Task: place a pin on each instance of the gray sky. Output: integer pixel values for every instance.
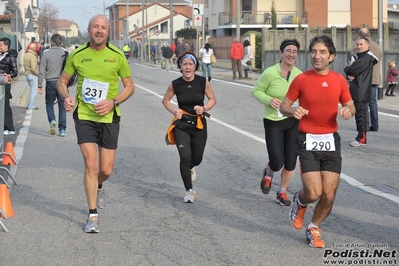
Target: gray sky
(80, 11)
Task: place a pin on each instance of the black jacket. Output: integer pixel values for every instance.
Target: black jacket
(167, 52)
(8, 63)
(362, 69)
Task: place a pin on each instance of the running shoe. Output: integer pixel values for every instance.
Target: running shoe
(92, 224)
(282, 198)
(266, 181)
(189, 198)
(53, 125)
(297, 213)
(356, 143)
(62, 133)
(313, 238)
(8, 132)
(101, 197)
(193, 175)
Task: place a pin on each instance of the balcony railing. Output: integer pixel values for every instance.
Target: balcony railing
(262, 17)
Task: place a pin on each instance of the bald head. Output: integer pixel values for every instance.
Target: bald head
(364, 32)
(32, 47)
(98, 31)
(96, 17)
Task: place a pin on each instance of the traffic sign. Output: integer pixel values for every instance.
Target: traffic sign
(138, 37)
(198, 20)
(157, 32)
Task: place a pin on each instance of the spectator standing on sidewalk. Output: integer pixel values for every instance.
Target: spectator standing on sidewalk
(179, 48)
(99, 65)
(206, 53)
(280, 131)
(359, 74)
(236, 55)
(319, 91)
(392, 78)
(8, 65)
(31, 72)
(50, 70)
(167, 53)
(372, 116)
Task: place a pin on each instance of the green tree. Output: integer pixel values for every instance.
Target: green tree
(274, 15)
(188, 33)
(11, 7)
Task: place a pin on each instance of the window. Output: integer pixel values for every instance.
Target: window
(246, 5)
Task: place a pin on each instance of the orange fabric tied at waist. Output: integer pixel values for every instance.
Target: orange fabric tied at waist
(170, 138)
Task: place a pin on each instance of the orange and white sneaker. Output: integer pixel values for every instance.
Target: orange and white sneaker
(313, 238)
(266, 181)
(297, 213)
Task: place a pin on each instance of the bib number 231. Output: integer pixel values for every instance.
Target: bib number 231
(94, 91)
(320, 142)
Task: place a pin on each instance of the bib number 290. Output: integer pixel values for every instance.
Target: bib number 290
(320, 142)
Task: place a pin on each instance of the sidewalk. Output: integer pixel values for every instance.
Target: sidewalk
(20, 91)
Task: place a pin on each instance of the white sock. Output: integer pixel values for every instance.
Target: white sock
(299, 202)
(312, 225)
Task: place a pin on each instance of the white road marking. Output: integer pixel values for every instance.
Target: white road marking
(347, 178)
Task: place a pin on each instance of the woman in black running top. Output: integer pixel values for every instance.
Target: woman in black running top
(189, 128)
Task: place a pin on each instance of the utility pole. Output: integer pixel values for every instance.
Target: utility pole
(238, 20)
(127, 23)
(142, 33)
(171, 23)
(381, 44)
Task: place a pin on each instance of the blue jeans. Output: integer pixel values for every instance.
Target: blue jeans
(51, 96)
(32, 81)
(373, 107)
(207, 67)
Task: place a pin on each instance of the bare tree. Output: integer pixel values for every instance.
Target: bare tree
(47, 16)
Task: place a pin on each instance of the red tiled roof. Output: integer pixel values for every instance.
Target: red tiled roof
(63, 23)
(5, 17)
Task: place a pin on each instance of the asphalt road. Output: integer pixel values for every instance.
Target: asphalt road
(231, 222)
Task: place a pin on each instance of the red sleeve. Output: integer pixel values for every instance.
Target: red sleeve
(294, 90)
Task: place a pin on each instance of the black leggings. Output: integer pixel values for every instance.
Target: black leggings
(280, 139)
(8, 118)
(190, 143)
(390, 89)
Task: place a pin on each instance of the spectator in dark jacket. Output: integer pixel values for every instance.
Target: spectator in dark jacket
(8, 65)
(179, 49)
(360, 74)
(236, 54)
(167, 53)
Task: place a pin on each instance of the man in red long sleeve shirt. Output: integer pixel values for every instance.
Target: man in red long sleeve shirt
(236, 54)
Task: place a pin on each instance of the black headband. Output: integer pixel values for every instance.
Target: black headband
(288, 43)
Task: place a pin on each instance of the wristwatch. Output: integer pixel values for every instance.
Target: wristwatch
(116, 103)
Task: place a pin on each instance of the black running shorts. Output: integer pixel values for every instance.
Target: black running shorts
(316, 161)
(105, 135)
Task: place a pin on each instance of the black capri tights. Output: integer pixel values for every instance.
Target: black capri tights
(280, 139)
(190, 143)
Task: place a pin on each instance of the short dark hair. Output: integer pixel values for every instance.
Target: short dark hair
(246, 43)
(6, 41)
(56, 39)
(327, 41)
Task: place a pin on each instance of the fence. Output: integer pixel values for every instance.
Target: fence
(343, 38)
